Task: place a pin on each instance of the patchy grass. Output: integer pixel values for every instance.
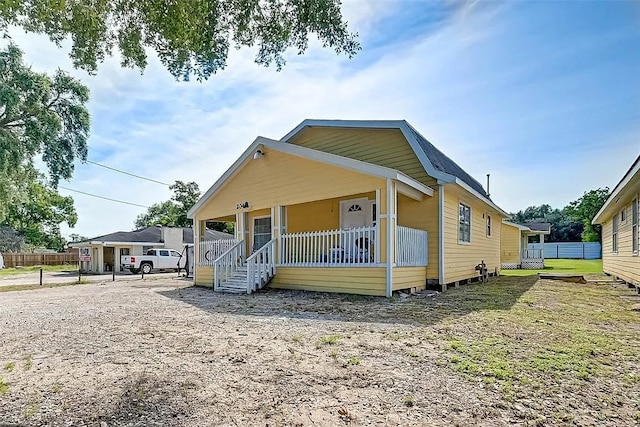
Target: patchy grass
(4, 387)
(10, 366)
(13, 288)
(574, 266)
(329, 339)
(36, 269)
(554, 338)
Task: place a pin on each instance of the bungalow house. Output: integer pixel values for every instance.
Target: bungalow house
(514, 245)
(105, 251)
(363, 207)
(620, 229)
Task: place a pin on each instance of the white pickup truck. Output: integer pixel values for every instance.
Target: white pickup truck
(155, 259)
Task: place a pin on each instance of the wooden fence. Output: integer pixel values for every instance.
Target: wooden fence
(30, 259)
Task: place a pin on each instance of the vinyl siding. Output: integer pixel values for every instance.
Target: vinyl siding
(422, 215)
(204, 275)
(319, 215)
(460, 259)
(509, 244)
(281, 179)
(623, 264)
(360, 280)
(385, 147)
(409, 277)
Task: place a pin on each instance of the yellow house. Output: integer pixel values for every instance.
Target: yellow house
(620, 233)
(365, 207)
(514, 240)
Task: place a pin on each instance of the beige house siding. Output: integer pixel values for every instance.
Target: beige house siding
(460, 259)
(624, 264)
(385, 147)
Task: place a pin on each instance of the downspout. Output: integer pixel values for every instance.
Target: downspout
(441, 234)
(389, 236)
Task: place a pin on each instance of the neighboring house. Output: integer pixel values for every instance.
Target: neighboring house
(105, 251)
(514, 250)
(620, 229)
(364, 207)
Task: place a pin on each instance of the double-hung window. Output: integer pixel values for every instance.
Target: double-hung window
(488, 225)
(464, 230)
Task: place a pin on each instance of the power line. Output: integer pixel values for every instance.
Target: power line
(102, 197)
(127, 173)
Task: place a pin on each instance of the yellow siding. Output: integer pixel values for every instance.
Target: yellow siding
(319, 215)
(385, 147)
(409, 277)
(510, 244)
(204, 275)
(361, 280)
(460, 259)
(624, 264)
(283, 179)
(422, 215)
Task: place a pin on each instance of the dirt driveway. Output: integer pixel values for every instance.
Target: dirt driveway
(58, 277)
(160, 353)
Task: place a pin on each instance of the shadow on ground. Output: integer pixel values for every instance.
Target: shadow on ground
(500, 293)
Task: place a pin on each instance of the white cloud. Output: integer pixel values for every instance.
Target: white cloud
(444, 82)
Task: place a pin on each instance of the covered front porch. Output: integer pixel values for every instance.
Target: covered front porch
(351, 243)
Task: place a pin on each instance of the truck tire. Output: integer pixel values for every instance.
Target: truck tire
(134, 270)
(146, 268)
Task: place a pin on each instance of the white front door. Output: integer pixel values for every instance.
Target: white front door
(355, 213)
(261, 232)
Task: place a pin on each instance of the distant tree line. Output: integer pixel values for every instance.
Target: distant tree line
(571, 223)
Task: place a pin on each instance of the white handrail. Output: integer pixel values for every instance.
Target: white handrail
(411, 247)
(227, 264)
(532, 254)
(329, 248)
(210, 250)
(261, 266)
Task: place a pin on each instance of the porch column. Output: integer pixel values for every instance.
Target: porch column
(388, 222)
(277, 219)
(542, 246)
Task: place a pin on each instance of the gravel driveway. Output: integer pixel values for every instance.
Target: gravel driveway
(163, 353)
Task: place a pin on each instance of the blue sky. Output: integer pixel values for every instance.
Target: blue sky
(543, 95)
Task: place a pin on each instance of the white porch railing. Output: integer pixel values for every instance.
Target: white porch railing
(261, 266)
(411, 247)
(532, 254)
(330, 248)
(227, 264)
(211, 250)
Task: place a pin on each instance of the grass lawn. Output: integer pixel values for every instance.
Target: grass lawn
(36, 268)
(577, 266)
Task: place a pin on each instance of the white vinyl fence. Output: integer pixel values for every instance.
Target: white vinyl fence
(411, 247)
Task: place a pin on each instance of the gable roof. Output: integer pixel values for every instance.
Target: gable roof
(607, 209)
(434, 161)
(150, 236)
(308, 153)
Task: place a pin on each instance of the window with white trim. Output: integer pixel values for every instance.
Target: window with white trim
(488, 225)
(261, 232)
(634, 225)
(614, 234)
(623, 215)
(464, 230)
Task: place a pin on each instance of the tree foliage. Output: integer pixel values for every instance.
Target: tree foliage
(172, 212)
(573, 222)
(190, 37)
(38, 216)
(585, 209)
(10, 240)
(40, 115)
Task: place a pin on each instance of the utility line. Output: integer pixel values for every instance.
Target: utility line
(102, 197)
(127, 173)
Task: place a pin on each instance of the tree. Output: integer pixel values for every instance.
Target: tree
(40, 115)
(190, 37)
(10, 240)
(172, 212)
(74, 238)
(39, 216)
(563, 227)
(585, 209)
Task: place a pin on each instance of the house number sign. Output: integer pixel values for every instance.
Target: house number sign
(242, 205)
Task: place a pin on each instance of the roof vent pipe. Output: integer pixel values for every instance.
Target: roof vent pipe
(488, 194)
